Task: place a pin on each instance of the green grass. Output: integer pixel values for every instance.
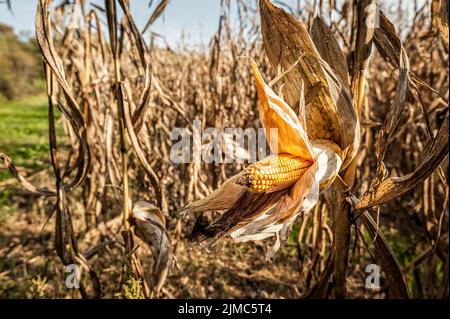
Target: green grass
(24, 133)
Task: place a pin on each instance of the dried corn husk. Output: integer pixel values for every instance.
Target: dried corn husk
(330, 114)
(150, 226)
(255, 214)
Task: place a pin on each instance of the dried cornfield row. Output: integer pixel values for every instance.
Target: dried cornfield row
(114, 193)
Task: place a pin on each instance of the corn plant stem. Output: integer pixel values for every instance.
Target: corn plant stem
(123, 148)
(361, 92)
(366, 8)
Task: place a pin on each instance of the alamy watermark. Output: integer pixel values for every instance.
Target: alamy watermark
(213, 145)
(373, 277)
(73, 277)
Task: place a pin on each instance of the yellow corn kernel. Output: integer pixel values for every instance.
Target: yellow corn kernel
(274, 173)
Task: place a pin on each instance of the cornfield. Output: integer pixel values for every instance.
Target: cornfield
(138, 225)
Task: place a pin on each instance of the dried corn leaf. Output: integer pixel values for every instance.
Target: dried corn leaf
(386, 258)
(150, 226)
(158, 11)
(329, 49)
(22, 180)
(341, 96)
(141, 111)
(394, 187)
(390, 47)
(154, 179)
(392, 119)
(64, 242)
(387, 41)
(222, 198)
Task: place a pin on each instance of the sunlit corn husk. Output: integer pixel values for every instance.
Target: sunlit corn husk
(264, 199)
(330, 114)
(275, 113)
(310, 148)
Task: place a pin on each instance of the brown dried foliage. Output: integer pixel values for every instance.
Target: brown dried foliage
(120, 98)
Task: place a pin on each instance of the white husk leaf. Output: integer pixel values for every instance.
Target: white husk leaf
(306, 191)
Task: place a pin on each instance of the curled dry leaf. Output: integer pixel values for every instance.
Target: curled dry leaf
(158, 11)
(141, 111)
(391, 123)
(389, 45)
(391, 49)
(150, 226)
(136, 145)
(394, 187)
(22, 180)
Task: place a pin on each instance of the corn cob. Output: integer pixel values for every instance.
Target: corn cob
(270, 173)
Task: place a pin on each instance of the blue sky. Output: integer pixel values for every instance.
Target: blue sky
(196, 19)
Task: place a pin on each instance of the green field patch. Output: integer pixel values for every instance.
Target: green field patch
(24, 133)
